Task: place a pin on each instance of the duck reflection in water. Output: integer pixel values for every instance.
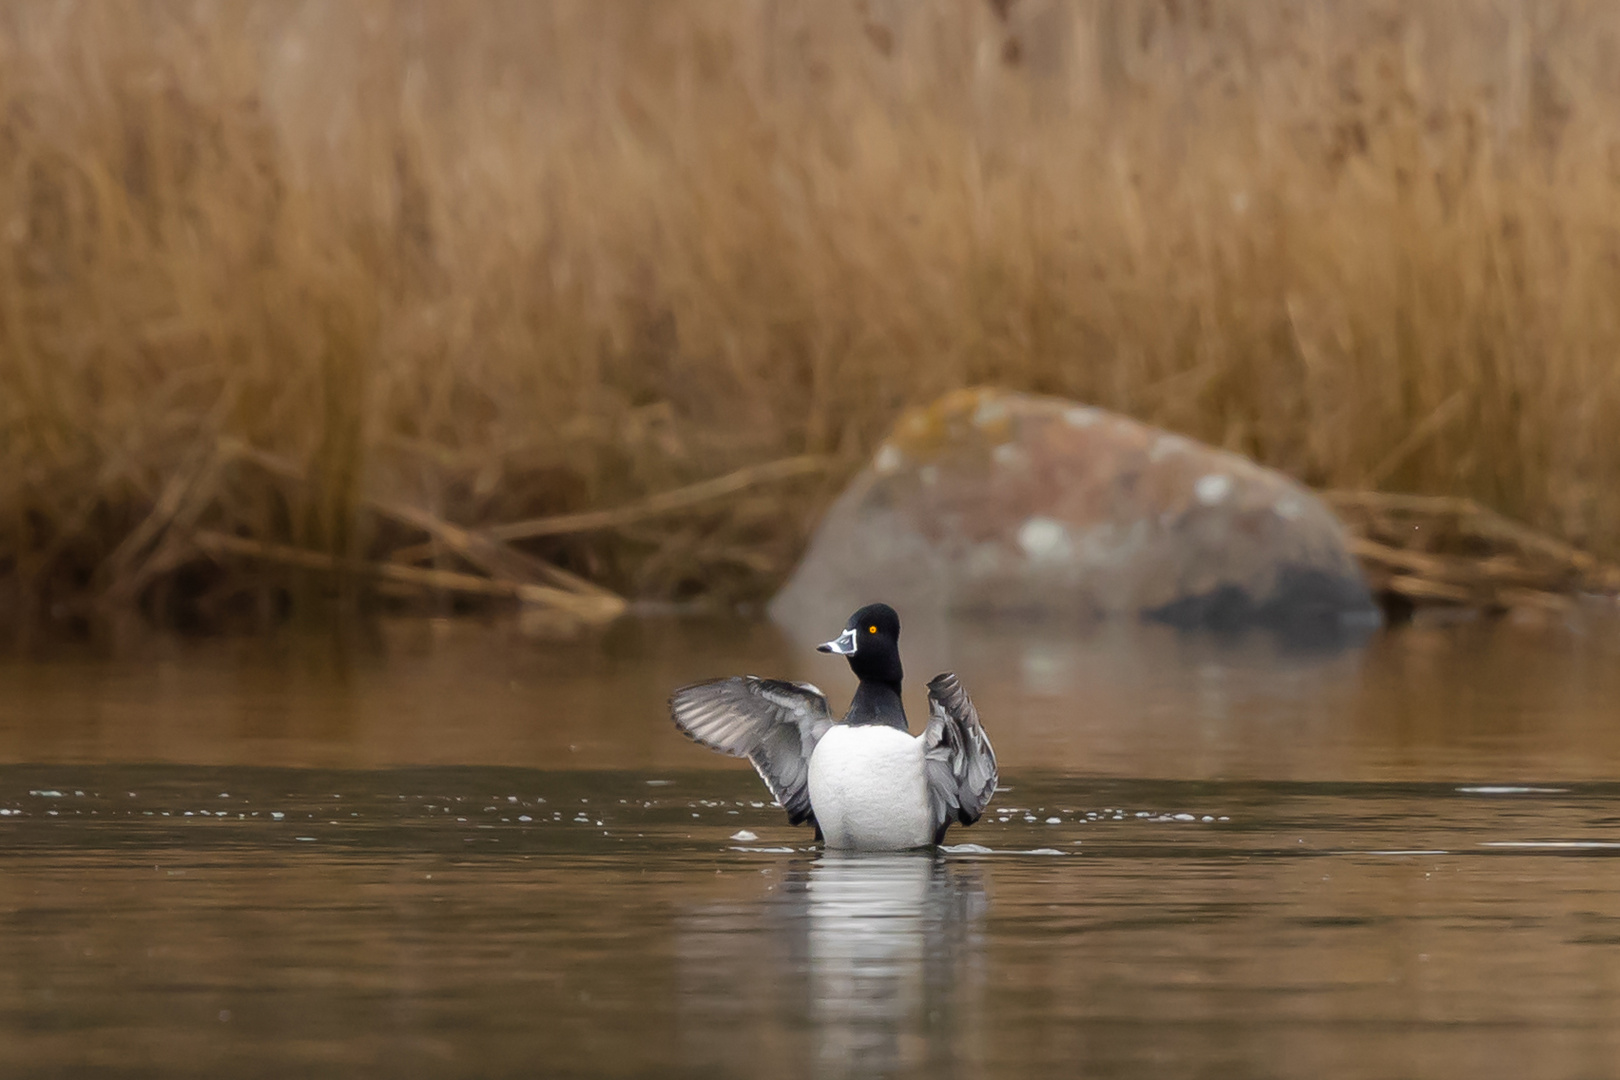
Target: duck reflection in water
(856, 963)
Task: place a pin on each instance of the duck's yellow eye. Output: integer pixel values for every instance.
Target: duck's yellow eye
(871, 629)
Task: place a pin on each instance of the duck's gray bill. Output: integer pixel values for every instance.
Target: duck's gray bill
(843, 644)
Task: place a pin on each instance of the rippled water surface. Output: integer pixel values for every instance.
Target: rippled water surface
(446, 850)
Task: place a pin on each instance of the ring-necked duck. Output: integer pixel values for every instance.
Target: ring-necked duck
(863, 782)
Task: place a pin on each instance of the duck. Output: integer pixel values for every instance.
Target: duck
(863, 782)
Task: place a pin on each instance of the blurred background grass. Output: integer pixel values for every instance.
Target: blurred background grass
(509, 259)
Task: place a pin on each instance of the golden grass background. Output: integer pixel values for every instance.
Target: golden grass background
(505, 259)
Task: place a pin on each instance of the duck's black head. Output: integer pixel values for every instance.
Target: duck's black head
(871, 643)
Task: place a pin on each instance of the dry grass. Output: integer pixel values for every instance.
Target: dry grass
(509, 259)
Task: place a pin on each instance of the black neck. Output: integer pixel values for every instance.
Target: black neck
(877, 703)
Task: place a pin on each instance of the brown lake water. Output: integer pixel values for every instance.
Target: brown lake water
(440, 849)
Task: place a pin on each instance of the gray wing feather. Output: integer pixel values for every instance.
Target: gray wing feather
(961, 763)
(774, 724)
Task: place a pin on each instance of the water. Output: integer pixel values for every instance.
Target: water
(448, 851)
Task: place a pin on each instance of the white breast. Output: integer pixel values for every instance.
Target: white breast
(869, 790)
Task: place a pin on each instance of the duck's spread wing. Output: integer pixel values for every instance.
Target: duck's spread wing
(961, 763)
(772, 723)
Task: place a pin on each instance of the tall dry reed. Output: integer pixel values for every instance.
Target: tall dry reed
(504, 259)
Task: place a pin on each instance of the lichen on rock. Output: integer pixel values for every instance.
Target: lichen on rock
(993, 501)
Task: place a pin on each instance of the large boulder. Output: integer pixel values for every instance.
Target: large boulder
(995, 502)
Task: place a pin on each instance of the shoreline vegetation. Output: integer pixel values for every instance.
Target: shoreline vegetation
(303, 302)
